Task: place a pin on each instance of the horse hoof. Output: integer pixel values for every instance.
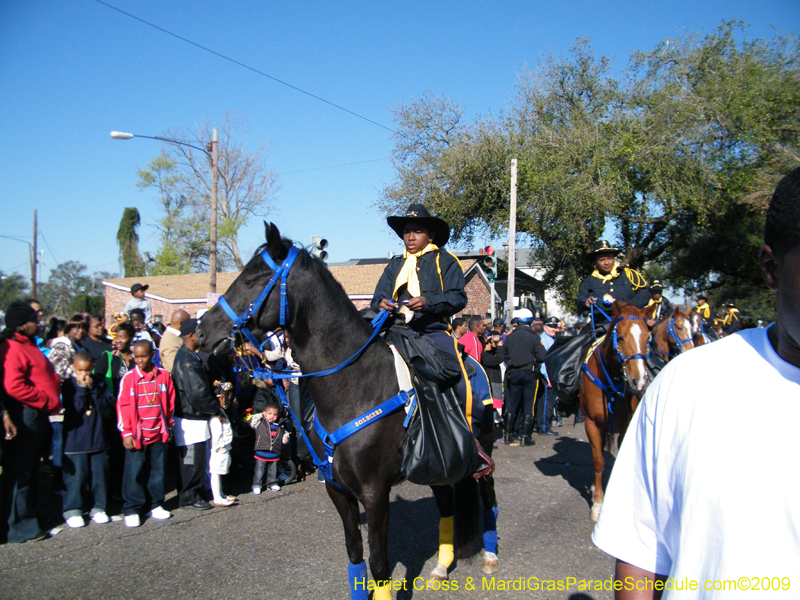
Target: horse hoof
(489, 562)
(439, 573)
(596, 511)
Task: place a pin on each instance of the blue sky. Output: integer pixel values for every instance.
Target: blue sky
(71, 72)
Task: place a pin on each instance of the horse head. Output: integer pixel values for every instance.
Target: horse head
(216, 326)
(630, 337)
(680, 331)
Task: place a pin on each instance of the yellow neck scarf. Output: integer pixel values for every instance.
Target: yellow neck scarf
(652, 301)
(408, 274)
(729, 317)
(606, 278)
(704, 310)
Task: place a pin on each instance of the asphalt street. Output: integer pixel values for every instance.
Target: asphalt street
(291, 544)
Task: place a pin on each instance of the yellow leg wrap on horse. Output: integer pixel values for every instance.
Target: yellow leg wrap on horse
(446, 541)
(383, 592)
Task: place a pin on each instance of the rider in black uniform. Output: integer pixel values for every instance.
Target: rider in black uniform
(665, 308)
(608, 282)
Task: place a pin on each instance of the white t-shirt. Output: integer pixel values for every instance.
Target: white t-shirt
(702, 488)
(190, 431)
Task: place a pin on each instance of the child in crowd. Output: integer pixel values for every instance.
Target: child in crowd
(85, 463)
(221, 438)
(144, 409)
(139, 301)
(270, 438)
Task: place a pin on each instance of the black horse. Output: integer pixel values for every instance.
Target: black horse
(326, 330)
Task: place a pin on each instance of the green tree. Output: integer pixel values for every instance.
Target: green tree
(131, 262)
(692, 136)
(12, 287)
(182, 175)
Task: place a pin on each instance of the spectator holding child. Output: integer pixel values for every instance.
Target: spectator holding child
(139, 301)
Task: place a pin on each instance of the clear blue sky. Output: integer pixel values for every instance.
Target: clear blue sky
(71, 72)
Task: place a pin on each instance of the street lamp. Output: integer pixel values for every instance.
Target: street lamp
(212, 151)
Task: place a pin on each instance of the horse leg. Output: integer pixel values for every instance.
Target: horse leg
(595, 434)
(378, 522)
(444, 502)
(347, 506)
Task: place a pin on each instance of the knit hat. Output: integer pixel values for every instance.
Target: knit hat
(19, 313)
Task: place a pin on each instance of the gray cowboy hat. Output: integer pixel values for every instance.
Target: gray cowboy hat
(417, 213)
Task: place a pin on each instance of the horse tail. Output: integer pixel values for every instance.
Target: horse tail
(467, 514)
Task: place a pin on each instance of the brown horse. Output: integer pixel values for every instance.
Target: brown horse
(674, 335)
(612, 382)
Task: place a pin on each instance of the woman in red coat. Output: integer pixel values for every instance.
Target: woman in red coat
(31, 392)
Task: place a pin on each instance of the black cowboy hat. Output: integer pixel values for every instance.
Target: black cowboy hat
(656, 285)
(417, 213)
(702, 297)
(603, 247)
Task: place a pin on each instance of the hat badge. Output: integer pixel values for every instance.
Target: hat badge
(412, 213)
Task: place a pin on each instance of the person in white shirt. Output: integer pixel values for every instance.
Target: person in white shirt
(139, 301)
(698, 505)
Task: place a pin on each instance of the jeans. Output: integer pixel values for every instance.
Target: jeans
(82, 471)
(272, 473)
(194, 464)
(544, 408)
(21, 461)
(144, 470)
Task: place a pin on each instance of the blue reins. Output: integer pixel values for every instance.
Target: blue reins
(329, 440)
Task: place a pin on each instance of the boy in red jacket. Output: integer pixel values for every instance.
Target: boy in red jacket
(144, 410)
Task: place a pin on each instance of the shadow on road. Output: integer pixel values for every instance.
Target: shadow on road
(573, 462)
(413, 537)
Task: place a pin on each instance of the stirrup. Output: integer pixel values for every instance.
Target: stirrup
(485, 463)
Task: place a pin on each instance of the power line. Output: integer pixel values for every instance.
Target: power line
(241, 64)
(334, 166)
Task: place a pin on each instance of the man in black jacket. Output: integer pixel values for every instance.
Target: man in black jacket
(524, 354)
(195, 404)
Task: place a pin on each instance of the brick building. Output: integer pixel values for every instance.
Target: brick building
(358, 277)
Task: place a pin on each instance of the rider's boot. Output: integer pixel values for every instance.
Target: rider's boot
(485, 464)
(527, 430)
(508, 428)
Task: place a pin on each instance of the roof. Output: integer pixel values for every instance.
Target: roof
(357, 280)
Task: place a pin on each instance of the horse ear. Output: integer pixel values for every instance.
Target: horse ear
(677, 312)
(274, 244)
(617, 307)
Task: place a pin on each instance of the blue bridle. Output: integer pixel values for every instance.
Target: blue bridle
(673, 335)
(329, 440)
(280, 273)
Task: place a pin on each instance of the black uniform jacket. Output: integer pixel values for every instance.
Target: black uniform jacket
(732, 323)
(620, 288)
(444, 295)
(523, 349)
(193, 387)
(664, 310)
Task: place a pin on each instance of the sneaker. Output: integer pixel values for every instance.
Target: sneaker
(132, 520)
(274, 488)
(100, 517)
(199, 505)
(76, 521)
(159, 513)
(256, 490)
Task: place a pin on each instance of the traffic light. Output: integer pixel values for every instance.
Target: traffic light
(490, 264)
(318, 245)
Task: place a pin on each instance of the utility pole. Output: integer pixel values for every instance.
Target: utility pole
(512, 235)
(212, 260)
(34, 255)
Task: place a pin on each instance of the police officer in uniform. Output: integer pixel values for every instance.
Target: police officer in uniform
(608, 282)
